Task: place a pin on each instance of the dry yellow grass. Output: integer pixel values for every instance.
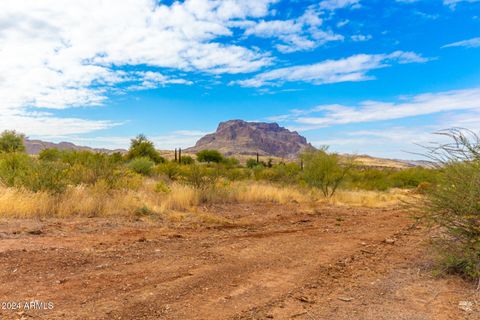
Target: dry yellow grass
(263, 192)
(368, 199)
(98, 201)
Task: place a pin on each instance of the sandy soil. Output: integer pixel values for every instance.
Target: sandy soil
(273, 262)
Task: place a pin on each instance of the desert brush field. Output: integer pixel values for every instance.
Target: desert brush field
(87, 235)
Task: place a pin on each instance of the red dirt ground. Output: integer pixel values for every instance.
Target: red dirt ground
(272, 262)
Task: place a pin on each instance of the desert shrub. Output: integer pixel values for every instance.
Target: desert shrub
(117, 157)
(209, 156)
(45, 176)
(369, 179)
(384, 179)
(124, 180)
(14, 168)
(50, 154)
(412, 177)
(251, 163)
(143, 166)
(11, 141)
(287, 172)
(236, 174)
(324, 171)
(187, 160)
(161, 187)
(453, 202)
(199, 176)
(266, 174)
(21, 171)
(87, 167)
(170, 169)
(141, 147)
(230, 162)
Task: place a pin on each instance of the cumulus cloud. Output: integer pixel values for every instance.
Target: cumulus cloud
(59, 54)
(470, 43)
(354, 68)
(302, 33)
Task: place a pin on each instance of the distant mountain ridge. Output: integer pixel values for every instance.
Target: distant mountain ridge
(247, 138)
(36, 146)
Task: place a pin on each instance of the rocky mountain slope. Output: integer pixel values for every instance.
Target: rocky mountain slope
(236, 137)
(35, 146)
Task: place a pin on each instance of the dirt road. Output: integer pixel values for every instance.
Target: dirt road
(272, 262)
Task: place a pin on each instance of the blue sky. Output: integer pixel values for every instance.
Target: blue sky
(362, 76)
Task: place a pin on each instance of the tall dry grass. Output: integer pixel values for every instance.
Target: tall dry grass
(99, 201)
(369, 199)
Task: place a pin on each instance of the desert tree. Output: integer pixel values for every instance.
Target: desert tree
(141, 147)
(209, 156)
(325, 171)
(11, 141)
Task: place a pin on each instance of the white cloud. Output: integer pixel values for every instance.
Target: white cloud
(338, 4)
(59, 54)
(368, 111)
(354, 68)
(342, 23)
(42, 124)
(470, 43)
(361, 37)
(169, 141)
(452, 3)
(302, 33)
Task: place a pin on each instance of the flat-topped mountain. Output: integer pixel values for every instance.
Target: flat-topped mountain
(242, 137)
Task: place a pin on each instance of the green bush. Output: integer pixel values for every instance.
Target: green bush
(453, 203)
(252, 163)
(162, 187)
(170, 169)
(51, 154)
(87, 167)
(200, 176)
(369, 179)
(209, 156)
(236, 174)
(187, 160)
(143, 166)
(21, 171)
(141, 147)
(412, 177)
(230, 162)
(14, 168)
(11, 141)
(324, 171)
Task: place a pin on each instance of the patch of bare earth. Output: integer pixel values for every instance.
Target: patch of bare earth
(272, 262)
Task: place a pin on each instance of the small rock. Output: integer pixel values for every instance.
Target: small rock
(466, 306)
(345, 299)
(306, 299)
(389, 241)
(35, 232)
(142, 239)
